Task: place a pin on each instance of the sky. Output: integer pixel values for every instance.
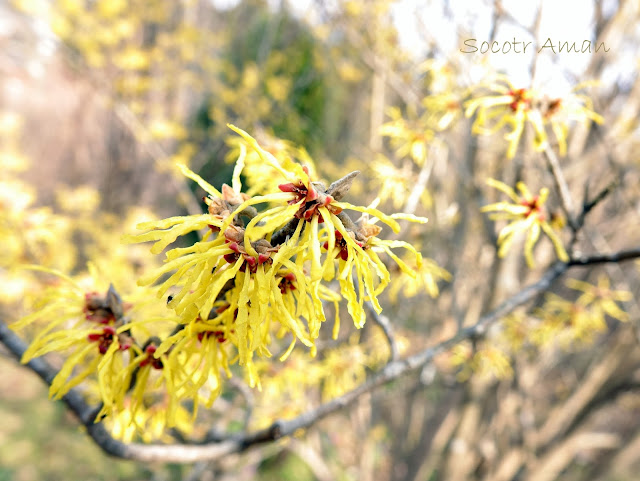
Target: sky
(562, 21)
(418, 21)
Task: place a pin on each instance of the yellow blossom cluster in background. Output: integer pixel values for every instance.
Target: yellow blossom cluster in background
(524, 214)
(560, 322)
(336, 371)
(580, 321)
(514, 108)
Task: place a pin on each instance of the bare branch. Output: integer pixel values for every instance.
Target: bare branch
(590, 204)
(604, 258)
(561, 185)
(384, 323)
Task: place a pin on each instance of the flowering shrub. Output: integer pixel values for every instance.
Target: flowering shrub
(254, 277)
(234, 332)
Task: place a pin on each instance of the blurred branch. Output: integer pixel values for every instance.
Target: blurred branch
(598, 375)
(589, 205)
(421, 184)
(619, 256)
(179, 453)
(384, 323)
(535, 33)
(561, 186)
(550, 467)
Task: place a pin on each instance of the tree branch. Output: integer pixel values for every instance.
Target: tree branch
(562, 187)
(179, 453)
(605, 258)
(383, 322)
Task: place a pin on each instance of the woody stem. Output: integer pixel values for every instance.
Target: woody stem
(561, 186)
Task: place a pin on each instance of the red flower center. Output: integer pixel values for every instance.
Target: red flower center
(519, 98)
(534, 207)
(105, 338)
(149, 359)
(341, 244)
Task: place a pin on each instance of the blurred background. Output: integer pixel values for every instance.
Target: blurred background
(100, 99)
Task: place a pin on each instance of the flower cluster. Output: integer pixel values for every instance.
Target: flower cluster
(487, 360)
(580, 320)
(259, 278)
(513, 107)
(259, 272)
(524, 214)
(100, 333)
(409, 137)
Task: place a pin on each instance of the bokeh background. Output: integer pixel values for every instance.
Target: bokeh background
(99, 100)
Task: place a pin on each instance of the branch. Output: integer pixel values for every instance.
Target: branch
(590, 204)
(605, 258)
(178, 453)
(383, 322)
(561, 185)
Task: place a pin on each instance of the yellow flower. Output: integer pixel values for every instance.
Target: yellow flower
(525, 214)
(99, 336)
(514, 107)
(267, 266)
(133, 385)
(148, 423)
(82, 200)
(582, 319)
(444, 109)
(566, 322)
(493, 361)
(261, 177)
(424, 278)
(558, 112)
(601, 297)
(395, 183)
(509, 106)
(486, 360)
(408, 137)
(444, 103)
(87, 326)
(356, 250)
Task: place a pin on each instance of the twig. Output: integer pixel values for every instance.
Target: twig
(385, 325)
(604, 258)
(280, 236)
(340, 187)
(589, 205)
(561, 185)
(420, 185)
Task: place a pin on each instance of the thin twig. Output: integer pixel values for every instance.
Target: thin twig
(384, 323)
(589, 205)
(604, 258)
(562, 186)
(421, 184)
